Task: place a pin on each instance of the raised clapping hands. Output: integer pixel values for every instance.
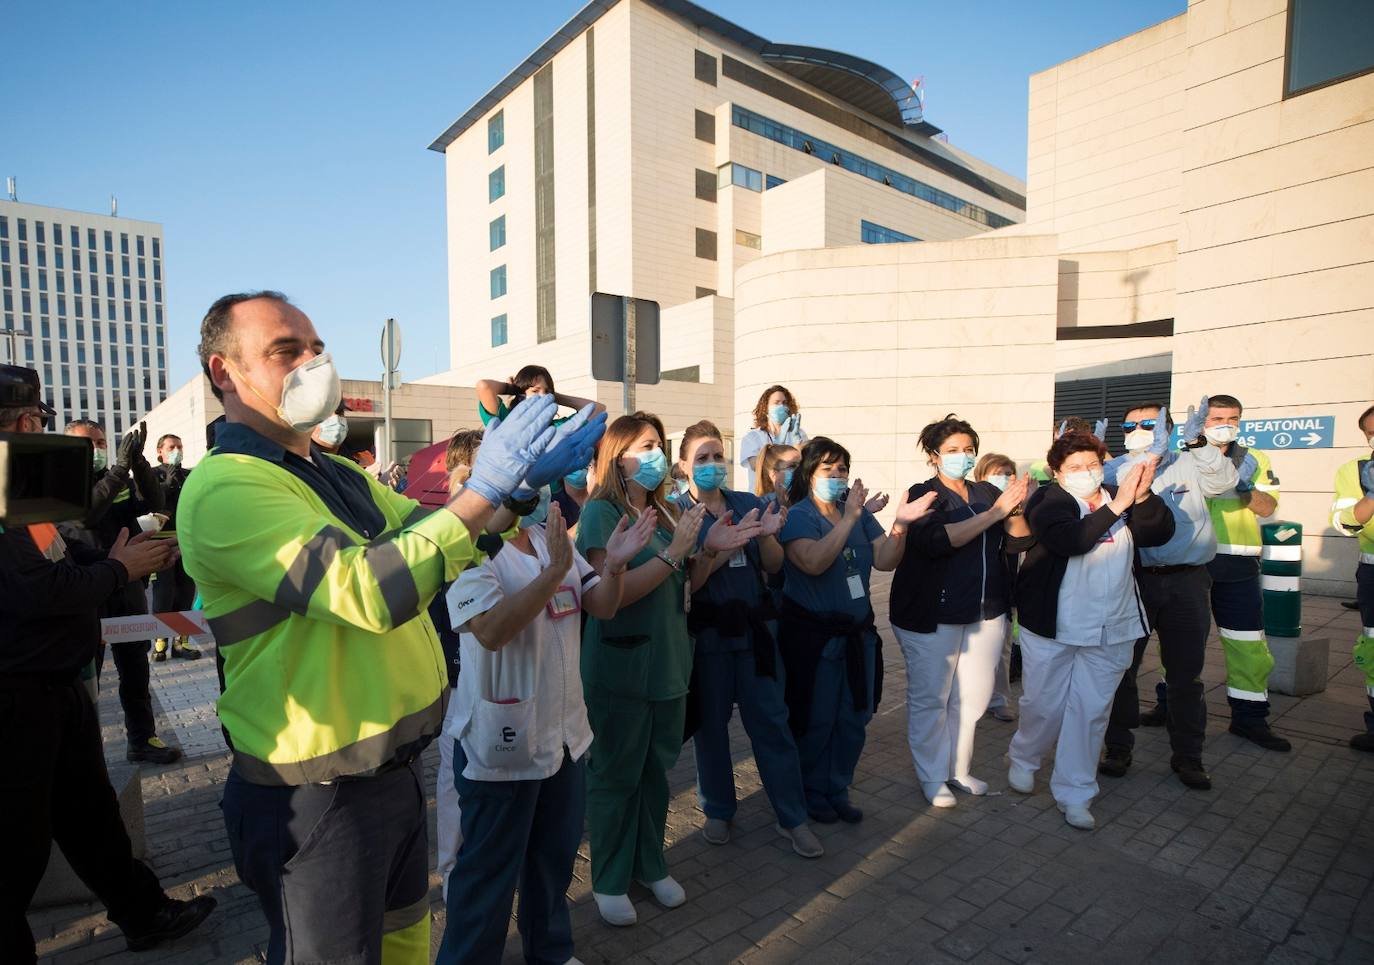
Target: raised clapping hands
(909, 511)
(1146, 480)
(1160, 444)
(131, 446)
(510, 446)
(726, 536)
(1014, 496)
(143, 555)
(572, 447)
(876, 503)
(560, 547)
(772, 520)
(685, 532)
(1245, 473)
(626, 541)
(1100, 430)
(854, 502)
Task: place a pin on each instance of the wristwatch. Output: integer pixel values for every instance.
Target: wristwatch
(675, 564)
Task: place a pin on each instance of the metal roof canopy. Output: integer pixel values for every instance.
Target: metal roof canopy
(871, 88)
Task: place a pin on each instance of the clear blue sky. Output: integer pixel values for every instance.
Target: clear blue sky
(283, 145)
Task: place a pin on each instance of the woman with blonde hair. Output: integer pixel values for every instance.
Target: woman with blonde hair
(777, 464)
(636, 665)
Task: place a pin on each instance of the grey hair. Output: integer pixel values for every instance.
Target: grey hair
(216, 334)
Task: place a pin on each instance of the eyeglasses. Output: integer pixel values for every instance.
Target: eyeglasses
(1143, 424)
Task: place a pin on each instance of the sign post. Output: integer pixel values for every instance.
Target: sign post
(625, 343)
(391, 357)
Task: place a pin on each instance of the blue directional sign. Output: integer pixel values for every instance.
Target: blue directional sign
(1295, 432)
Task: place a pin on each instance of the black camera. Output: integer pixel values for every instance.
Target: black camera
(43, 479)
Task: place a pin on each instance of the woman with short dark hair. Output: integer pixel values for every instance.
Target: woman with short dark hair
(1080, 613)
(949, 603)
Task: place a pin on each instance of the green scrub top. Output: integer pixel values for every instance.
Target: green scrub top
(644, 651)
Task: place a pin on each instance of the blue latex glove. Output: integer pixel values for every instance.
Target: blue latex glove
(1100, 430)
(1246, 473)
(1197, 420)
(1060, 431)
(1160, 445)
(1367, 477)
(572, 448)
(510, 446)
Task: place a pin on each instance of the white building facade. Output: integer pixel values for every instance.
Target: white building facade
(84, 304)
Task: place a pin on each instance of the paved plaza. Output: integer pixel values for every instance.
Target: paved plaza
(1273, 865)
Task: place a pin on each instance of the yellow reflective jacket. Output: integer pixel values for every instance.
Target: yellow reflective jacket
(1237, 528)
(330, 664)
(1348, 493)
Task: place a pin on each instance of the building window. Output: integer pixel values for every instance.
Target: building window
(771, 181)
(741, 177)
(748, 239)
(75, 236)
(497, 232)
(496, 183)
(706, 127)
(38, 234)
(157, 248)
(109, 241)
(123, 244)
(498, 330)
(140, 246)
(793, 138)
(706, 244)
(23, 230)
(4, 227)
(706, 67)
(876, 234)
(1328, 41)
(496, 131)
(498, 281)
(706, 185)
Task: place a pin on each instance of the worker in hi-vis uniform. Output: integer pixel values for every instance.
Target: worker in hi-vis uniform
(1237, 601)
(1352, 514)
(315, 580)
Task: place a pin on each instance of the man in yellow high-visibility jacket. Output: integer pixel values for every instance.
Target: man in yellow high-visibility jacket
(1352, 514)
(315, 580)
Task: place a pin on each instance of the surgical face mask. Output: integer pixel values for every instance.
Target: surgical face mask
(653, 466)
(778, 414)
(577, 479)
(956, 465)
(1082, 484)
(309, 393)
(708, 476)
(173, 457)
(830, 489)
(1138, 440)
(1222, 435)
(787, 475)
(1370, 440)
(99, 459)
(333, 430)
(1000, 480)
(541, 512)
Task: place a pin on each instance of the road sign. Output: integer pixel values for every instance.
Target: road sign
(1290, 432)
(608, 316)
(391, 344)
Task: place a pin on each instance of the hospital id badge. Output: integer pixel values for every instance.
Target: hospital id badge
(563, 603)
(738, 559)
(856, 586)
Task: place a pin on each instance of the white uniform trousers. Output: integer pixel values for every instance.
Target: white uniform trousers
(949, 679)
(1066, 699)
(1001, 681)
(449, 819)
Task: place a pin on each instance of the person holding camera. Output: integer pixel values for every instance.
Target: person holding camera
(54, 786)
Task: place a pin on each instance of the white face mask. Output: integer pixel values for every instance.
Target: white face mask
(1222, 435)
(1000, 480)
(309, 393)
(1082, 484)
(173, 457)
(1138, 440)
(333, 430)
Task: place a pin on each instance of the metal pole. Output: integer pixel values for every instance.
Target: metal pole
(386, 390)
(630, 354)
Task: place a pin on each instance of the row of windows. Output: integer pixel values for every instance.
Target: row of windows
(46, 330)
(79, 306)
(92, 261)
(793, 138)
(44, 353)
(60, 283)
(40, 235)
(876, 234)
(69, 403)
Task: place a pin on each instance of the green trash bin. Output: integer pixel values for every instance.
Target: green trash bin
(1280, 578)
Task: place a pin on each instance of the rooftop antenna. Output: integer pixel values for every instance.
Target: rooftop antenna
(12, 186)
(114, 206)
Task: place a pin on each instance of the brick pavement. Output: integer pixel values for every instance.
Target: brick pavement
(1274, 865)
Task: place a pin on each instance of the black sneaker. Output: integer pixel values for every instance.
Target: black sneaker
(847, 812)
(154, 751)
(1158, 716)
(1259, 733)
(183, 651)
(172, 920)
(1351, 604)
(1363, 742)
(1116, 762)
(1191, 772)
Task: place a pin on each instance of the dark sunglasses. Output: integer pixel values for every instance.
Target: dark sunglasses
(1143, 423)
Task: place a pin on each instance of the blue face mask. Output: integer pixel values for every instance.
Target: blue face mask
(541, 512)
(956, 465)
(577, 480)
(787, 475)
(1000, 480)
(778, 414)
(708, 476)
(830, 489)
(653, 466)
